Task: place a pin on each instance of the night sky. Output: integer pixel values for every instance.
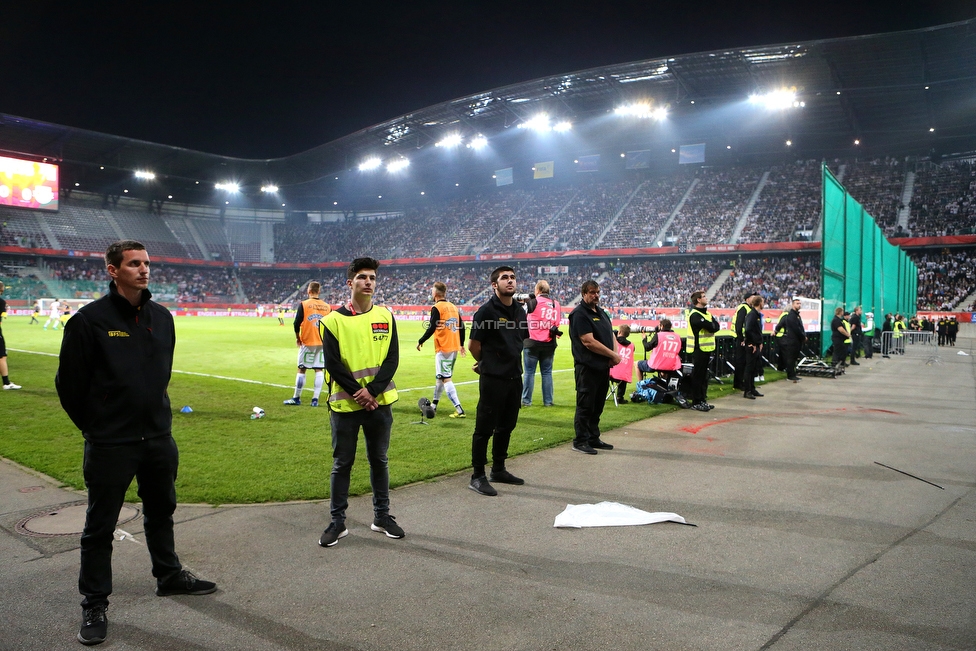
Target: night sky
(263, 80)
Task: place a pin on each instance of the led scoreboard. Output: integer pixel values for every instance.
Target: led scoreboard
(28, 184)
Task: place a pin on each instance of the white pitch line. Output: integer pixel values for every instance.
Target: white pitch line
(270, 384)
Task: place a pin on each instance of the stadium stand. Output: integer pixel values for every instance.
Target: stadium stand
(585, 218)
(789, 202)
(945, 279)
(22, 228)
(711, 212)
(648, 211)
(877, 184)
(773, 278)
(944, 201)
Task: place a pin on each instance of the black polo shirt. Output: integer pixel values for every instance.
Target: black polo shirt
(501, 330)
(584, 320)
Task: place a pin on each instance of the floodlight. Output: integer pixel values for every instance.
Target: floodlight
(857, 141)
(478, 142)
(148, 176)
(229, 186)
(659, 113)
(639, 110)
(370, 164)
(538, 123)
(777, 99)
(169, 196)
(397, 165)
(270, 189)
(450, 140)
(562, 127)
(789, 143)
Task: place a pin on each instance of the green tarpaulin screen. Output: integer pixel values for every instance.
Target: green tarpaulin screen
(858, 265)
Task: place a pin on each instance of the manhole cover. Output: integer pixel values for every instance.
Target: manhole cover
(66, 520)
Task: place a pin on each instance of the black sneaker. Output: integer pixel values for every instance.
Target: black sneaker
(333, 533)
(600, 445)
(184, 583)
(481, 486)
(585, 448)
(387, 524)
(505, 477)
(94, 625)
(700, 406)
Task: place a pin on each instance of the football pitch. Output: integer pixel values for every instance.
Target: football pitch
(226, 366)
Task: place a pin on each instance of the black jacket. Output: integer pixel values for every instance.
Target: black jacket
(501, 330)
(753, 329)
(114, 370)
(584, 320)
(792, 327)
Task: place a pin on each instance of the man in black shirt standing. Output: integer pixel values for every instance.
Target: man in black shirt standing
(794, 336)
(497, 331)
(591, 335)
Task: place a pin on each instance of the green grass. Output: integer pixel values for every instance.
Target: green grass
(226, 458)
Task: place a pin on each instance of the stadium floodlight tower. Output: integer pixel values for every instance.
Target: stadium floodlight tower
(478, 142)
(396, 165)
(228, 186)
(145, 175)
(642, 110)
(270, 188)
(540, 124)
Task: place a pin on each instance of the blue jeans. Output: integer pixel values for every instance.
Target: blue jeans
(376, 427)
(544, 358)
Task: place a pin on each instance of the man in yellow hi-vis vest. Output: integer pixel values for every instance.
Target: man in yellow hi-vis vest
(361, 355)
(700, 345)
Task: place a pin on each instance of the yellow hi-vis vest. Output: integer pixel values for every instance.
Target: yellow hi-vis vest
(847, 325)
(896, 329)
(780, 329)
(735, 319)
(364, 342)
(706, 340)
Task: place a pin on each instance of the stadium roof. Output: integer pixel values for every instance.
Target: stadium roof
(912, 92)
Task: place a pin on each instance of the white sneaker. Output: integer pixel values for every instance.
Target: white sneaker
(8, 387)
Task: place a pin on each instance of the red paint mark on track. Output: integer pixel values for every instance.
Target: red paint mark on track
(694, 429)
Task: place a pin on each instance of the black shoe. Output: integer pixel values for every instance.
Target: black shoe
(700, 406)
(710, 407)
(481, 486)
(585, 448)
(333, 533)
(757, 394)
(184, 583)
(855, 363)
(505, 477)
(748, 396)
(387, 524)
(886, 356)
(600, 445)
(94, 625)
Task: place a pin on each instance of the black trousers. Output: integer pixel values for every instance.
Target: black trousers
(855, 346)
(498, 411)
(840, 352)
(698, 385)
(740, 364)
(789, 353)
(592, 386)
(868, 346)
(109, 470)
(753, 364)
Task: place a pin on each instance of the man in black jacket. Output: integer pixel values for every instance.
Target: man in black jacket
(497, 331)
(115, 365)
(753, 332)
(792, 340)
(738, 326)
(591, 336)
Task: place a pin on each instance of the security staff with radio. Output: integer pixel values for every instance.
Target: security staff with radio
(361, 354)
(738, 327)
(700, 345)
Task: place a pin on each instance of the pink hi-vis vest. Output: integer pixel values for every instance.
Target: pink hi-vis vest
(624, 371)
(545, 315)
(665, 356)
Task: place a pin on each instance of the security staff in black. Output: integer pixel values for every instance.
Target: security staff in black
(952, 329)
(700, 345)
(497, 332)
(791, 337)
(738, 327)
(115, 365)
(591, 335)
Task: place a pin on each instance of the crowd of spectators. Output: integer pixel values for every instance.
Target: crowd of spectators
(775, 278)
(789, 202)
(647, 212)
(715, 205)
(944, 200)
(585, 218)
(945, 278)
(877, 184)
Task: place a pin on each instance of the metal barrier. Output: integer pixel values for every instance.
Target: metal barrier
(911, 343)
